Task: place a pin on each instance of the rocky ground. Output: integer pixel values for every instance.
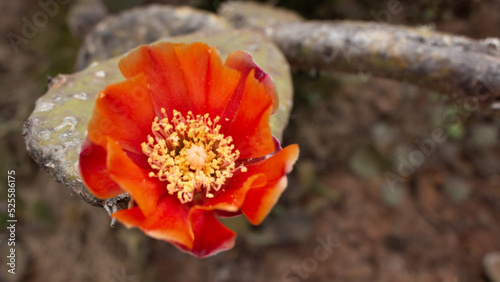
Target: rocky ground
(354, 193)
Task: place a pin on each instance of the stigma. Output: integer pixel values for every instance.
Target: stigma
(190, 154)
(196, 157)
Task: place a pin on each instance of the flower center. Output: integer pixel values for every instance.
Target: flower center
(196, 156)
(190, 154)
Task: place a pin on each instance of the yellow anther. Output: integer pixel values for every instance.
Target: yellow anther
(190, 154)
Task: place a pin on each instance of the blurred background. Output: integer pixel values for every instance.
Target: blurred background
(356, 132)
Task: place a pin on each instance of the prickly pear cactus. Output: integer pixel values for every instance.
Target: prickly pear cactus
(56, 128)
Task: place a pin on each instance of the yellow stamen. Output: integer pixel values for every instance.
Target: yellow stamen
(190, 154)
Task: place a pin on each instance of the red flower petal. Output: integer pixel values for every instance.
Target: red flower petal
(145, 191)
(260, 200)
(124, 112)
(183, 77)
(139, 159)
(222, 84)
(166, 80)
(132, 217)
(94, 172)
(169, 222)
(194, 60)
(257, 190)
(210, 235)
(135, 62)
(231, 197)
(254, 139)
(243, 62)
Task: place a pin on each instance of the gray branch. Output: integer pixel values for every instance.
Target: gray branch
(437, 61)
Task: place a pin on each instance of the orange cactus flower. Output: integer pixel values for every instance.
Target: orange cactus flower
(188, 138)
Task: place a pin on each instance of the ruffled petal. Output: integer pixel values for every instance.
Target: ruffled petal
(135, 62)
(194, 63)
(260, 200)
(183, 77)
(251, 104)
(210, 235)
(132, 217)
(144, 190)
(231, 197)
(256, 191)
(124, 111)
(254, 139)
(244, 63)
(160, 64)
(94, 172)
(139, 159)
(222, 85)
(169, 222)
